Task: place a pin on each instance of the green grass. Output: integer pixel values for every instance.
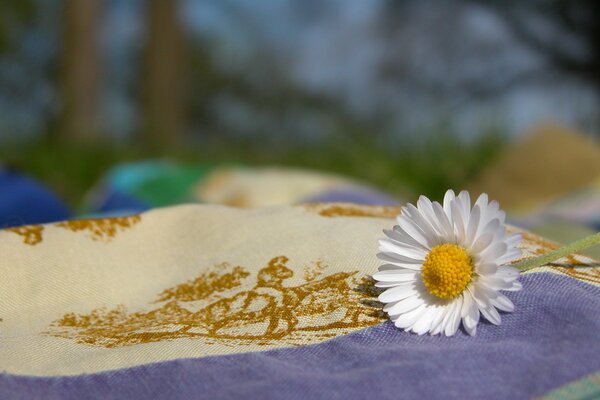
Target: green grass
(429, 165)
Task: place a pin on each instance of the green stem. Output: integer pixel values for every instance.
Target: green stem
(559, 253)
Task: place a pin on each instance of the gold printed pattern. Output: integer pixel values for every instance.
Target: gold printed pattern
(591, 275)
(573, 265)
(539, 246)
(227, 305)
(103, 228)
(313, 271)
(32, 234)
(352, 210)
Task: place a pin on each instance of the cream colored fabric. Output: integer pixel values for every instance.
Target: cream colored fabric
(190, 281)
(268, 186)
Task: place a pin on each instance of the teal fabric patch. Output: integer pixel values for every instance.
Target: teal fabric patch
(587, 388)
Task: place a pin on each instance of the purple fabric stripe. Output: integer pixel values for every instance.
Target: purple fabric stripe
(353, 195)
(552, 339)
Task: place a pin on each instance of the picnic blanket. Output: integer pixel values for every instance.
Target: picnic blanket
(215, 302)
(581, 207)
(548, 182)
(25, 201)
(546, 163)
(566, 218)
(139, 186)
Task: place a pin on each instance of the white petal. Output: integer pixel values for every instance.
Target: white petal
(403, 240)
(396, 267)
(471, 316)
(459, 222)
(413, 230)
(485, 292)
(419, 219)
(465, 203)
(508, 273)
(516, 286)
(395, 276)
(501, 216)
(491, 314)
(394, 258)
(514, 240)
(423, 324)
(454, 320)
(493, 252)
(492, 226)
(448, 313)
(489, 212)
(391, 284)
(467, 300)
(436, 324)
(426, 208)
(479, 295)
(503, 303)
(387, 245)
(482, 242)
(448, 199)
(473, 226)
(510, 256)
(444, 222)
(494, 209)
(494, 282)
(486, 268)
(403, 306)
(391, 267)
(482, 201)
(408, 319)
(397, 293)
(398, 234)
(484, 304)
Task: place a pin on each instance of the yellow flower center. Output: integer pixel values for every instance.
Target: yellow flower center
(447, 270)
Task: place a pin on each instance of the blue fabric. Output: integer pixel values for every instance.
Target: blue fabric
(121, 203)
(139, 186)
(354, 195)
(23, 201)
(125, 176)
(551, 339)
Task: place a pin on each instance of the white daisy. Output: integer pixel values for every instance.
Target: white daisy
(447, 263)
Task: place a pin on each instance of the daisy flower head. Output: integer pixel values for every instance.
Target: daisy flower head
(447, 263)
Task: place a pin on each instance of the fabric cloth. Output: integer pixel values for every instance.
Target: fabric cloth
(580, 207)
(582, 389)
(548, 162)
(526, 356)
(140, 186)
(272, 186)
(25, 201)
(215, 302)
(353, 195)
(568, 217)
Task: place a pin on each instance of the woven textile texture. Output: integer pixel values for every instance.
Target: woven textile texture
(218, 302)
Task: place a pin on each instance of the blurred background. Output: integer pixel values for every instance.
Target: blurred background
(120, 105)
